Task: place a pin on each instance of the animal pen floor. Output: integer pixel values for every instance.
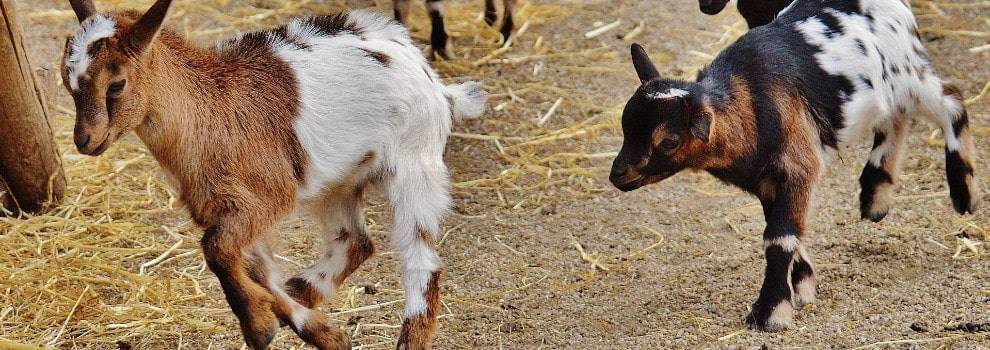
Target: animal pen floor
(541, 251)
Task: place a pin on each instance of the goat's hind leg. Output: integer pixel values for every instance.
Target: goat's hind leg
(960, 153)
(877, 180)
(420, 199)
(346, 246)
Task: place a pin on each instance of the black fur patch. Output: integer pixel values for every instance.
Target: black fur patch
(960, 123)
(776, 287)
(956, 171)
(861, 46)
(331, 25)
(281, 34)
(872, 177)
(801, 270)
(438, 35)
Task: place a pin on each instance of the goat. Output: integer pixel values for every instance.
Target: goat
(773, 108)
(437, 10)
(309, 114)
(756, 12)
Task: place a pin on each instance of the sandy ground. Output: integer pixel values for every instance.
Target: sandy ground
(514, 278)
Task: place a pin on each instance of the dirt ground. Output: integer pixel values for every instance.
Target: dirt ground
(678, 263)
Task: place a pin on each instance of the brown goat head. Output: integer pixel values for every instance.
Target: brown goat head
(665, 126)
(103, 68)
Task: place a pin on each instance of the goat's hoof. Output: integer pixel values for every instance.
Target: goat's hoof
(771, 319)
(259, 339)
(323, 337)
(804, 292)
(442, 53)
(873, 215)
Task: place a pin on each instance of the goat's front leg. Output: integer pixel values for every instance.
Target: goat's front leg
(238, 254)
(223, 248)
(786, 261)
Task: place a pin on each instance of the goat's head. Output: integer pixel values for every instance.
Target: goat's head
(665, 126)
(105, 70)
(712, 7)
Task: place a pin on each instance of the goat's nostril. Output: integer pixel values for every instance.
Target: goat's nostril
(617, 172)
(82, 140)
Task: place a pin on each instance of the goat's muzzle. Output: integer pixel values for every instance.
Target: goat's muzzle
(625, 178)
(91, 141)
(712, 7)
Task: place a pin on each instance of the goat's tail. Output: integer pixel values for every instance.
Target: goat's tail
(467, 100)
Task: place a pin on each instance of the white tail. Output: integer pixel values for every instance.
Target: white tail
(467, 100)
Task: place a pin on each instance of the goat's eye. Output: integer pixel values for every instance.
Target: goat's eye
(670, 143)
(116, 87)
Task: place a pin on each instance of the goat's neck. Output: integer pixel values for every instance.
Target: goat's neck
(184, 102)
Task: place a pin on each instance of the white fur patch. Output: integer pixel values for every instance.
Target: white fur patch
(782, 316)
(329, 266)
(787, 243)
(670, 93)
(435, 6)
(892, 78)
(78, 60)
(804, 292)
(415, 283)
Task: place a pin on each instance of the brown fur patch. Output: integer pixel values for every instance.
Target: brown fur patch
(381, 57)
(304, 293)
(318, 333)
(801, 157)
(733, 131)
(188, 116)
(418, 331)
(360, 250)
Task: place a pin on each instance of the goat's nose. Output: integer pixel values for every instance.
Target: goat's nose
(617, 173)
(81, 139)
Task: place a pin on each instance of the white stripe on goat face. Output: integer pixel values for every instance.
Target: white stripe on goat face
(78, 60)
(670, 93)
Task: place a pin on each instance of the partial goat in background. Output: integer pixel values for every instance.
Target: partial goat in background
(437, 10)
(756, 12)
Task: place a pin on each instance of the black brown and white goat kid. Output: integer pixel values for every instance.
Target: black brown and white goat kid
(437, 11)
(772, 109)
(756, 12)
(308, 114)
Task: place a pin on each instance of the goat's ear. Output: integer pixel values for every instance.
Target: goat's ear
(147, 27)
(83, 9)
(644, 67)
(701, 126)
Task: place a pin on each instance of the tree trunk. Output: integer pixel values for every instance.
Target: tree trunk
(29, 159)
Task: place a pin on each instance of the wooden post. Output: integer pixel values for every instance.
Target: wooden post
(29, 160)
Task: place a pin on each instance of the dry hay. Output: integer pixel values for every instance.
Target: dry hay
(119, 262)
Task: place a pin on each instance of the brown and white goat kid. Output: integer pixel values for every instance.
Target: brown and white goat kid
(311, 113)
(773, 108)
(437, 10)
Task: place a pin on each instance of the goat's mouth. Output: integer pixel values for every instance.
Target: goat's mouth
(629, 185)
(100, 148)
(712, 7)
